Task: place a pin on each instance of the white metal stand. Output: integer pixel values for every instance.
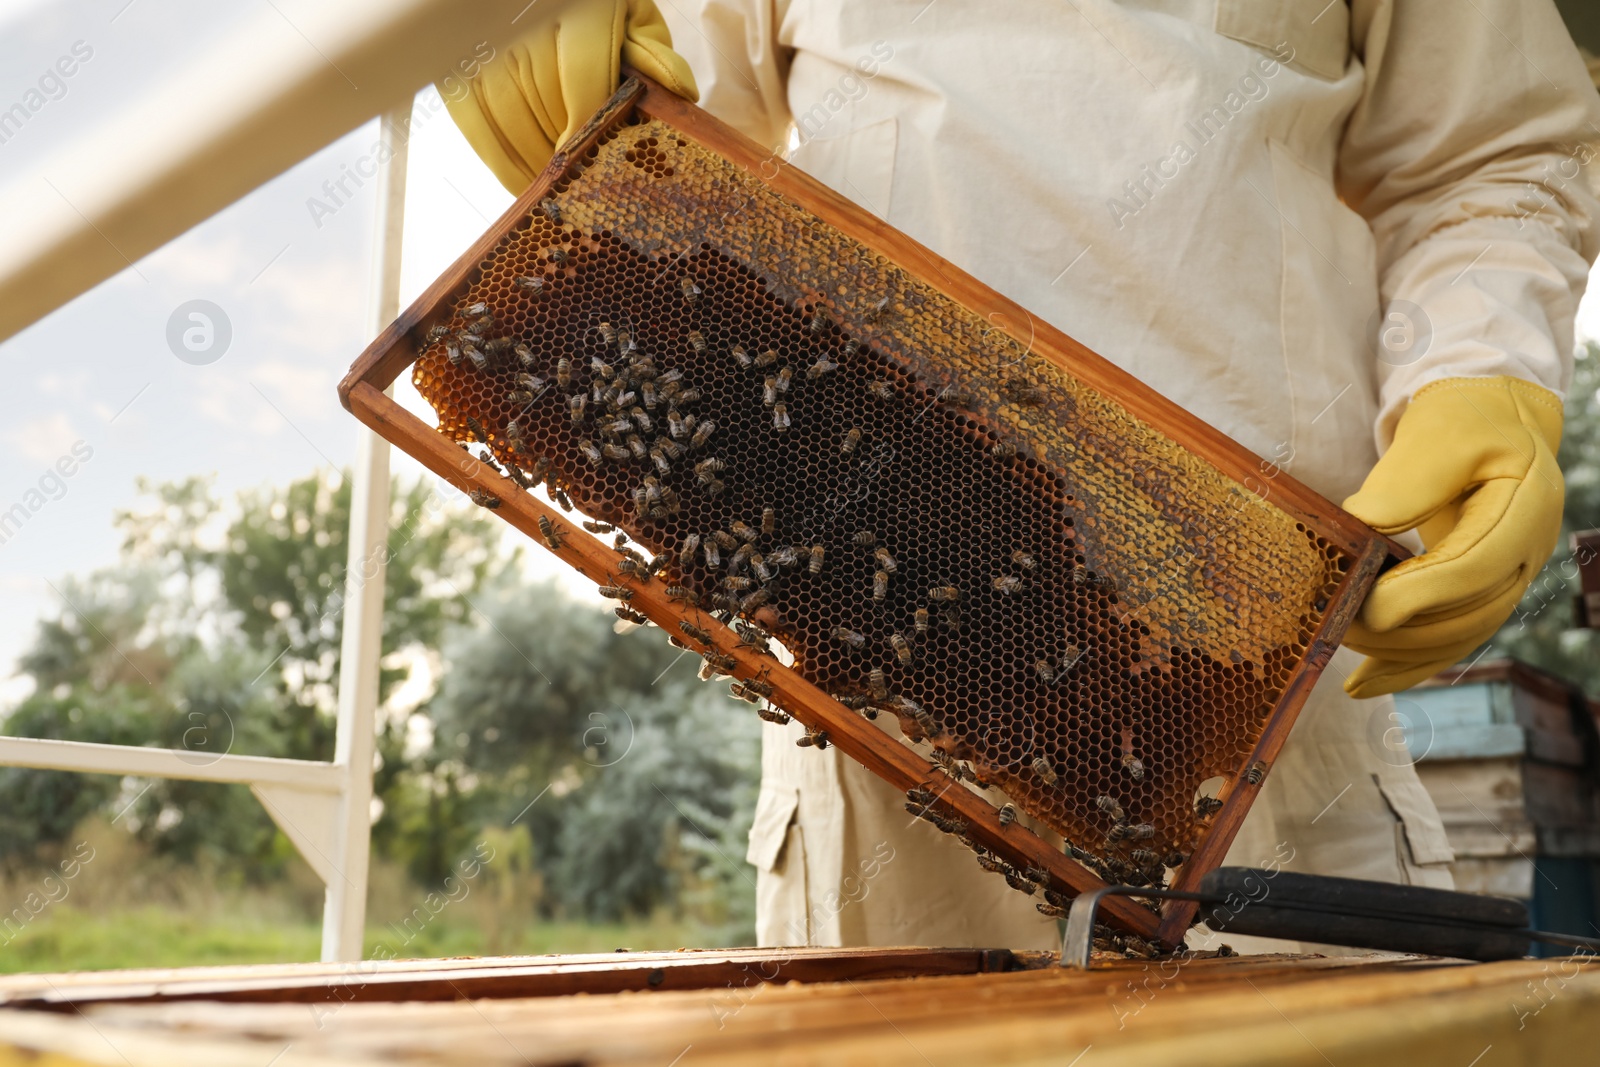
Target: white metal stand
(325, 809)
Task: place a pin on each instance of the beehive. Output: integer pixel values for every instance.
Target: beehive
(952, 516)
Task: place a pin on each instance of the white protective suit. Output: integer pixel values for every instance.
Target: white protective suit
(1216, 195)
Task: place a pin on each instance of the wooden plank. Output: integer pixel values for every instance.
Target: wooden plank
(495, 978)
(1237, 1012)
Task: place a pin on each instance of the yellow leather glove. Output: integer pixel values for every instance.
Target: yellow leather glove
(1473, 470)
(529, 99)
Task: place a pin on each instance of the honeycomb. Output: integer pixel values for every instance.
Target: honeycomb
(1062, 600)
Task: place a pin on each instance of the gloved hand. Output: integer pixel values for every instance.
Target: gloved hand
(1473, 470)
(526, 101)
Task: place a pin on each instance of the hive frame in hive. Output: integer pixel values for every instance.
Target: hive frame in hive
(1365, 552)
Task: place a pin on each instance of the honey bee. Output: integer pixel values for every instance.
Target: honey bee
(780, 417)
(850, 637)
(1133, 765)
(1045, 670)
(541, 467)
(885, 560)
(478, 360)
(436, 333)
(819, 323)
(718, 661)
(741, 356)
(629, 615)
(675, 424)
(944, 594)
(702, 434)
(743, 530)
(658, 455)
(880, 389)
(616, 592)
(752, 637)
(1257, 773)
(875, 312)
(1111, 806)
(851, 347)
(1070, 655)
(475, 428)
(1174, 859)
(642, 418)
(817, 553)
(691, 291)
(561, 498)
(955, 397)
(767, 358)
(625, 343)
(784, 377)
(548, 533)
(614, 451)
(688, 396)
(1205, 807)
(551, 210)
(759, 687)
(758, 563)
(864, 538)
(1003, 450)
(1021, 393)
(697, 341)
(475, 310)
(564, 372)
(452, 352)
(1007, 584)
(634, 566)
(647, 394)
(725, 539)
(1141, 832)
(706, 470)
(595, 527)
(769, 392)
(558, 255)
(774, 715)
(619, 541)
(1024, 560)
(608, 333)
(919, 621)
(713, 555)
(533, 285)
(694, 631)
(1043, 770)
(1143, 857)
(880, 585)
(877, 684)
(483, 498)
(626, 399)
(902, 649)
(814, 738)
(786, 556)
(755, 600)
(686, 551)
(1049, 910)
(591, 452)
(820, 368)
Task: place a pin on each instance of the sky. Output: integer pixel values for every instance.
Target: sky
(99, 374)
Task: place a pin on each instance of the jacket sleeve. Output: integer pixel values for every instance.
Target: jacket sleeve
(1469, 154)
(742, 70)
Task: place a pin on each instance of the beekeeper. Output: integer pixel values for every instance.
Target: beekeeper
(1351, 235)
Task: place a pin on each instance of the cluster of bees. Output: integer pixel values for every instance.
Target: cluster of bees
(626, 410)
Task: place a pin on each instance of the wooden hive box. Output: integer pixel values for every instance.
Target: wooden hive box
(955, 519)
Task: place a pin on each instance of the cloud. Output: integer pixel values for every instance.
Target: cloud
(45, 439)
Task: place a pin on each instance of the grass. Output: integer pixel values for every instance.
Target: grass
(67, 938)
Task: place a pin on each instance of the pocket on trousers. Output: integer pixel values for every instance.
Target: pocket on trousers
(1412, 805)
(775, 808)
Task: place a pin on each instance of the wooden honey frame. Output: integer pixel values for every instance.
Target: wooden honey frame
(363, 393)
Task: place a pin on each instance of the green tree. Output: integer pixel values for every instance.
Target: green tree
(1541, 630)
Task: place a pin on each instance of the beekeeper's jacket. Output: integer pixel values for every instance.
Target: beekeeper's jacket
(1219, 196)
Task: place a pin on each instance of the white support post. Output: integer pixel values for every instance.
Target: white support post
(345, 909)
